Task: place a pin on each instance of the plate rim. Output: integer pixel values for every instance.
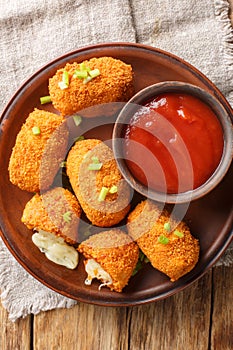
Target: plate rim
(3, 229)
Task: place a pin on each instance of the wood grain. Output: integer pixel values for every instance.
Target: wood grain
(222, 318)
(82, 327)
(179, 322)
(14, 336)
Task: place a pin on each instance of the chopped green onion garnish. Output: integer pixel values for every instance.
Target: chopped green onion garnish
(63, 164)
(86, 80)
(94, 73)
(81, 74)
(141, 255)
(65, 77)
(178, 234)
(163, 239)
(95, 159)
(137, 268)
(67, 216)
(65, 81)
(36, 130)
(86, 73)
(141, 261)
(45, 99)
(62, 85)
(79, 138)
(113, 189)
(84, 67)
(95, 166)
(77, 120)
(103, 194)
(167, 226)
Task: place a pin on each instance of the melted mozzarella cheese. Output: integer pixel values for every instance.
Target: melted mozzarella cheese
(56, 249)
(94, 270)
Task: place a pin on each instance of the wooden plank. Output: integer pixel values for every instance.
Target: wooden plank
(179, 322)
(84, 326)
(222, 318)
(14, 336)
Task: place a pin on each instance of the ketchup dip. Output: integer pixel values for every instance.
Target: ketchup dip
(173, 143)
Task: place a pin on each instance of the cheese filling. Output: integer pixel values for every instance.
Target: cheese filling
(94, 270)
(56, 249)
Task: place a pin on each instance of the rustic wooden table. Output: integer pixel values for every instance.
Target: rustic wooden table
(200, 318)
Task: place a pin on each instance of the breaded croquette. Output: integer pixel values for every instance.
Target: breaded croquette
(111, 257)
(56, 211)
(94, 176)
(112, 83)
(39, 149)
(168, 244)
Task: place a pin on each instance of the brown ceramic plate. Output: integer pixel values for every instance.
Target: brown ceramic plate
(209, 218)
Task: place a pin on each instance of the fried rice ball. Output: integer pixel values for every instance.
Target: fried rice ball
(56, 211)
(88, 184)
(38, 152)
(113, 84)
(111, 257)
(167, 243)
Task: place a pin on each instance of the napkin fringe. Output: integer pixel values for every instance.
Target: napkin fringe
(222, 8)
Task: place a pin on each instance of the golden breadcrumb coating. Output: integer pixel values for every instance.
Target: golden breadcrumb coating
(87, 184)
(46, 212)
(35, 159)
(116, 253)
(114, 84)
(174, 257)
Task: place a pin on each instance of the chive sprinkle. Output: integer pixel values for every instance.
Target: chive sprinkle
(36, 130)
(86, 80)
(67, 216)
(77, 120)
(86, 73)
(141, 255)
(103, 194)
(113, 189)
(45, 99)
(141, 261)
(163, 239)
(178, 234)
(65, 77)
(81, 74)
(64, 84)
(95, 166)
(95, 159)
(63, 164)
(79, 138)
(167, 226)
(94, 73)
(83, 67)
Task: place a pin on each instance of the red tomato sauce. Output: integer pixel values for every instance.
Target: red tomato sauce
(173, 143)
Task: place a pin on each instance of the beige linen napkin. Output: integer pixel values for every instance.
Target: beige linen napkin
(35, 32)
